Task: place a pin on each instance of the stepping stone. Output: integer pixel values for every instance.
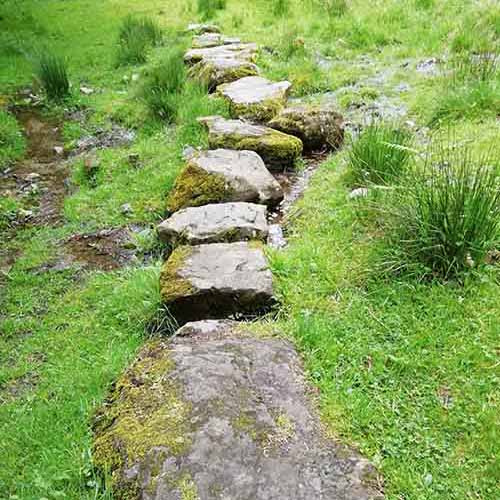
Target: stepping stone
(278, 150)
(218, 413)
(217, 280)
(222, 222)
(240, 51)
(319, 127)
(200, 29)
(224, 175)
(216, 71)
(255, 98)
(212, 40)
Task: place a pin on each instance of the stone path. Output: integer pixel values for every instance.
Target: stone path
(217, 412)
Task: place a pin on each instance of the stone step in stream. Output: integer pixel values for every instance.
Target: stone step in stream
(218, 412)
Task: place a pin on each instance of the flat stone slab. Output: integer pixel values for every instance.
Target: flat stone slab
(216, 71)
(219, 414)
(278, 150)
(216, 280)
(240, 51)
(255, 98)
(200, 29)
(212, 40)
(319, 127)
(216, 223)
(223, 175)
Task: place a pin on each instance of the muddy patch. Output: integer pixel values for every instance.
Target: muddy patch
(40, 181)
(105, 250)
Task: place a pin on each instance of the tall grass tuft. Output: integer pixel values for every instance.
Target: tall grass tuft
(447, 216)
(380, 155)
(208, 8)
(136, 36)
(52, 75)
(335, 8)
(163, 84)
(281, 7)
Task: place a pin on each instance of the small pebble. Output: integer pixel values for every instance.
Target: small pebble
(358, 193)
(126, 209)
(86, 90)
(58, 150)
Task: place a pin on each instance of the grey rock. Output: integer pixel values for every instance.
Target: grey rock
(58, 150)
(224, 175)
(221, 222)
(240, 51)
(318, 126)
(358, 193)
(126, 209)
(216, 280)
(237, 423)
(200, 29)
(216, 71)
(278, 150)
(212, 40)
(254, 97)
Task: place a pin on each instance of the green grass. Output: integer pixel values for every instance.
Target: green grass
(12, 142)
(380, 155)
(52, 75)
(136, 36)
(407, 369)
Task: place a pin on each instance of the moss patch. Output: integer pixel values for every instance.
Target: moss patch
(173, 286)
(211, 75)
(144, 411)
(195, 187)
(274, 147)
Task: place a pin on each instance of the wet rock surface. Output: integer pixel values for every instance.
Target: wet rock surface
(254, 97)
(318, 127)
(224, 222)
(222, 415)
(223, 175)
(216, 281)
(278, 150)
(212, 40)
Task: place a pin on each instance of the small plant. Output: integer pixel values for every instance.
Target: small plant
(335, 8)
(447, 216)
(52, 74)
(208, 8)
(137, 35)
(163, 86)
(281, 7)
(380, 155)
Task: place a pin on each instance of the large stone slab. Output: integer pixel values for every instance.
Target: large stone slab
(240, 51)
(212, 40)
(218, 414)
(224, 175)
(278, 150)
(200, 29)
(255, 98)
(214, 281)
(215, 223)
(318, 127)
(216, 71)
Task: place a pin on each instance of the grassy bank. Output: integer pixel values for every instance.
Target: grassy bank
(408, 368)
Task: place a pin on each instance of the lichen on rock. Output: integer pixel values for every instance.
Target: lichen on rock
(144, 414)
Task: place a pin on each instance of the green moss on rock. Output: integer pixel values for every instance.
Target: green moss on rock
(144, 411)
(211, 75)
(172, 285)
(195, 187)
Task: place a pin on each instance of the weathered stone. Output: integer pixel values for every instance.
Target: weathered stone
(278, 150)
(200, 29)
(255, 98)
(217, 413)
(212, 40)
(319, 127)
(216, 223)
(222, 175)
(214, 72)
(216, 280)
(240, 51)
